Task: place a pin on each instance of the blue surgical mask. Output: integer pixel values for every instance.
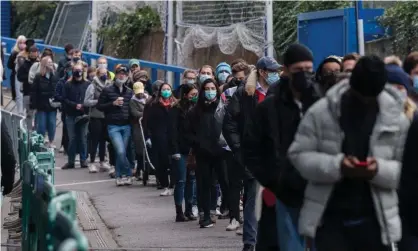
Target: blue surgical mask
(166, 93)
(415, 82)
(190, 81)
(222, 76)
(272, 78)
(210, 94)
(202, 78)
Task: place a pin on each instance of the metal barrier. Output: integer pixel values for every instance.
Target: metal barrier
(12, 121)
(47, 218)
(90, 58)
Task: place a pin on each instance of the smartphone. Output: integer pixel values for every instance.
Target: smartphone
(362, 164)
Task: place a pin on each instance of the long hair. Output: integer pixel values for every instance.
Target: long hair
(43, 65)
(201, 102)
(183, 103)
(156, 100)
(19, 39)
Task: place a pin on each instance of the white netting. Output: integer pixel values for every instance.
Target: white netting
(227, 24)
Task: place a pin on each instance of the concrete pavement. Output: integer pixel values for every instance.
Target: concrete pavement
(135, 217)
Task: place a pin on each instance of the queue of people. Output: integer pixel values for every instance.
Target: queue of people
(315, 159)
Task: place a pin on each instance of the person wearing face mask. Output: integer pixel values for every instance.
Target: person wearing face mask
(136, 111)
(23, 77)
(239, 112)
(205, 72)
(268, 137)
(223, 70)
(36, 68)
(73, 94)
(326, 74)
(77, 57)
(97, 123)
(240, 71)
(410, 66)
(64, 60)
(189, 77)
(114, 103)
(180, 150)
(91, 73)
(341, 149)
(204, 136)
(102, 64)
(59, 98)
(42, 99)
(156, 131)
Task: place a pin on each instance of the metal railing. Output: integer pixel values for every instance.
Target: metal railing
(12, 121)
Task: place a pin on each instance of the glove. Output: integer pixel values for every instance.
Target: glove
(176, 156)
(148, 143)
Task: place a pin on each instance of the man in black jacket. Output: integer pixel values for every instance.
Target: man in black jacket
(23, 77)
(64, 60)
(269, 135)
(238, 114)
(114, 102)
(8, 160)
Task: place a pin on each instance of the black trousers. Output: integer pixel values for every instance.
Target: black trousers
(97, 129)
(206, 168)
(64, 139)
(222, 175)
(333, 235)
(111, 150)
(161, 162)
(235, 177)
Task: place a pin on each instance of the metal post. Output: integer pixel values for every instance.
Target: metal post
(170, 39)
(269, 19)
(360, 30)
(94, 27)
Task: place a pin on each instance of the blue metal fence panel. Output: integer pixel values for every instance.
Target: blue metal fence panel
(154, 68)
(6, 19)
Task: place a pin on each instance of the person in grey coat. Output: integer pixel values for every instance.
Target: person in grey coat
(348, 147)
(97, 124)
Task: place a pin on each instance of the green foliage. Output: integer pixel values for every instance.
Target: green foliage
(402, 19)
(129, 28)
(285, 19)
(33, 18)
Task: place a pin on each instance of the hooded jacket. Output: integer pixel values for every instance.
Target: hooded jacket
(316, 154)
(136, 111)
(92, 96)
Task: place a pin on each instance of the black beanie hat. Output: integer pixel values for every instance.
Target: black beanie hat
(369, 76)
(297, 53)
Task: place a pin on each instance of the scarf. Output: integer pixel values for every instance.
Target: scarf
(165, 102)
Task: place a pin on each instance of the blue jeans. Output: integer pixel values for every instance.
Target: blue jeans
(46, 121)
(77, 139)
(287, 228)
(185, 184)
(250, 221)
(120, 138)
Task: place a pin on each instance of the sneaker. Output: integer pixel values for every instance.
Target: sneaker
(52, 146)
(248, 247)
(195, 211)
(239, 232)
(201, 218)
(84, 164)
(112, 172)
(119, 182)
(233, 225)
(128, 181)
(166, 192)
(218, 212)
(190, 216)
(224, 215)
(92, 168)
(68, 166)
(206, 224)
(104, 167)
(213, 216)
(61, 150)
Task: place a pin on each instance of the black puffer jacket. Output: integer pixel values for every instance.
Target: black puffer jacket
(115, 115)
(179, 127)
(73, 93)
(42, 90)
(8, 159)
(267, 139)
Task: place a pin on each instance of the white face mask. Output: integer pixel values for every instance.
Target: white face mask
(404, 95)
(102, 66)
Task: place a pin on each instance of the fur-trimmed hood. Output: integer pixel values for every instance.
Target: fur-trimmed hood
(251, 83)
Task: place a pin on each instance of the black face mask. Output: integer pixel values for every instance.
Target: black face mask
(76, 59)
(301, 81)
(77, 74)
(32, 59)
(328, 80)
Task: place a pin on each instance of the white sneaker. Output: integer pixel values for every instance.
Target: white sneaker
(61, 150)
(92, 168)
(166, 192)
(128, 181)
(233, 225)
(218, 212)
(239, 231)
(112, 172)
(104, 167)
(119, 182)
(195, 211)
(52, 146)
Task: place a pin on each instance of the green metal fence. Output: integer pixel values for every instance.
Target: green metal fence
(48, 217)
